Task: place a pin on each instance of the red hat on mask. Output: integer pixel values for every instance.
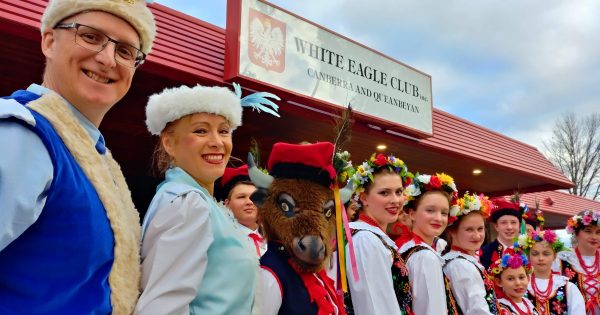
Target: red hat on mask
(303, 161)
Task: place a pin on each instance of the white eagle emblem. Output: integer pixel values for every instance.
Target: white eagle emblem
(267, 42)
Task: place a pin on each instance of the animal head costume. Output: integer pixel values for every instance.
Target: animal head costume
(296, 201)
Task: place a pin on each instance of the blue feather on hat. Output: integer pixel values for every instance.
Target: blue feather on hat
(258, 101)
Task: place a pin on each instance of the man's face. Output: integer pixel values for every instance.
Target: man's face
(242, 207)
(93, 82)
(507, 227)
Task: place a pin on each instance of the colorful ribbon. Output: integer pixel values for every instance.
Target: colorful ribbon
(340, 238)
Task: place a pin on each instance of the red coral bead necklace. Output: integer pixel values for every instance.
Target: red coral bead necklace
(518, 309)
(539, 294)
(589, 270)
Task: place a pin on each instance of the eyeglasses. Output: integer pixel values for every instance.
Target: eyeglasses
(95, 40)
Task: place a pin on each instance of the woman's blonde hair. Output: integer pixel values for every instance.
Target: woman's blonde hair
(161, 160)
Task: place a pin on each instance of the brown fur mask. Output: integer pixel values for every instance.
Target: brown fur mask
(300, 215)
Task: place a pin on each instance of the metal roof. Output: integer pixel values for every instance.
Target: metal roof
(190, 51)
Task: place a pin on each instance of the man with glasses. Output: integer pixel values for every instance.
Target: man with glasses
(69, 233)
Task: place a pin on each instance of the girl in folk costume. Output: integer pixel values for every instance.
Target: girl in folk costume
(551, 294)
(430, 198)
(582, 265)
(472, 288)
(401, 230)
(511, 273)
(382, 287)
(195, 260)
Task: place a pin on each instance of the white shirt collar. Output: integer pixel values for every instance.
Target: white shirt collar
(90, 128)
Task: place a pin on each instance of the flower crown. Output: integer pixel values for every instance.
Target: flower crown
(469, 203)
(343, 166)
(423, 183)
(364, 172)
(526, 241)
(581, 220)
(511, 259)
(530, 215)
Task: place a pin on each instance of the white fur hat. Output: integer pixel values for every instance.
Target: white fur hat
(135, 12)
(174, 103)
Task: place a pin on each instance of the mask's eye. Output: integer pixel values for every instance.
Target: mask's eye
(328, 208)
(286, 204)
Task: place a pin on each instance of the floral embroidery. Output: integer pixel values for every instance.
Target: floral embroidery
(488, 282)
(490, 293)
(560, 295)
(558, 307)
(400, 282)
(555, 304)
(569, 273)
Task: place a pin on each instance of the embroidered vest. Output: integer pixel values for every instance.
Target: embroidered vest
(295, 299)
(556, 304)
(490, 292)
(451, 304)
(400, 280)
(578, 279)
(61, 263)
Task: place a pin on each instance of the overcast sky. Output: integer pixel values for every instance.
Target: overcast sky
(512, 66)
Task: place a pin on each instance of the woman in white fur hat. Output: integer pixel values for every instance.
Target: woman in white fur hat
(69, 233)
(195, 258)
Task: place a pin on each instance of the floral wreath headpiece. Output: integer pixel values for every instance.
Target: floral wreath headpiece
(344, 172)
(532, 216)
(424, 183)
(343, 166)
(511, 259)
(364, 172)
(469, 203)
(526, 241)
(582, 220)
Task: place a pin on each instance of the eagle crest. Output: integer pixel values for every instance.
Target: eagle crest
(267, 42)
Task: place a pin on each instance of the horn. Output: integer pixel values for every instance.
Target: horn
(259, 178)
(346, 192)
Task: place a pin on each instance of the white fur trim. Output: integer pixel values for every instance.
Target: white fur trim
(106, 176)
(135, 12)
(174, 103)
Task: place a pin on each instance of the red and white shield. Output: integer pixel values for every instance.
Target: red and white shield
(266, 41)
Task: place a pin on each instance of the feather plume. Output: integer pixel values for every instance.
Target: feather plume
(516, 197)
(255, 150)
(258, 101)
(343, 129)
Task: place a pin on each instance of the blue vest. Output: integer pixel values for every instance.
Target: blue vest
(294, 298)
(61, 263)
